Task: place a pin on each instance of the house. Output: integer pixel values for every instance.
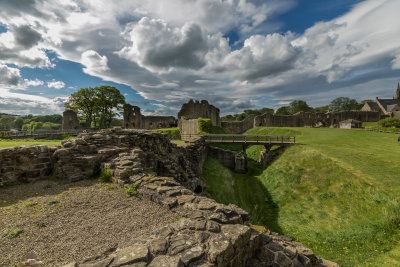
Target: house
(348, 124)
(386, 107)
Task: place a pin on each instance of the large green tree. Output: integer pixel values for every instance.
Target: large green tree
(299, 106)
(110, 102)
(344, 103)
(99, 104)
(285, 110)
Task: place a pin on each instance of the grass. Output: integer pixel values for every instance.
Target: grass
(336, 191)
(4, 143)
(173, 133)
(376, 126)
(132, 190)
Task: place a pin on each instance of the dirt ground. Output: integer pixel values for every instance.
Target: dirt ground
(60, 223)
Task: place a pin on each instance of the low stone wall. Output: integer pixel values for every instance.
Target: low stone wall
(230, 159)
(25, 163)
(300, 119)
(238, 127)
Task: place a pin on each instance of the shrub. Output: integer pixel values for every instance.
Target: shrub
(205, 126)
(173, 133)
(389, 122)
(132, 190)
(15, 232)
(105, 176)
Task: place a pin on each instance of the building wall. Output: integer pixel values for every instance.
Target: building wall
(188, 128)
(133, 119)
(196, 109)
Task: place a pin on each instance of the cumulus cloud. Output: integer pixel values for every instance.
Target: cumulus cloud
(10, 76)
(56, 84)
(174, 50)
(156, 46)
(261, 57)
(94, 62)
(35, 82)
(19, 46)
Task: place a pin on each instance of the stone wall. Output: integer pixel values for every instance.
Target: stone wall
(133, 119)
(70, 121)
(25, 163)
(188, 128)
(230, 159)
(238, 127)
(301, 119)
(196, 109)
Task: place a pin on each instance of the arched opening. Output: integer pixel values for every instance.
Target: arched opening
(198, 189)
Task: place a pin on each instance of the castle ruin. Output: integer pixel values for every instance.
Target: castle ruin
(133, 119)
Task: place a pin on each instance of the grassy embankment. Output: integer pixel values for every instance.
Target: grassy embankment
(19, 142)
(337, 191)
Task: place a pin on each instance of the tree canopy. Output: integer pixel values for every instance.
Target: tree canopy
(97, 105)
(345, 103)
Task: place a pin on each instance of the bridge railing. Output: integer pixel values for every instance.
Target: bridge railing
(262, 139)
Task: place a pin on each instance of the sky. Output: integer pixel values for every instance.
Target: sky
(237, 54)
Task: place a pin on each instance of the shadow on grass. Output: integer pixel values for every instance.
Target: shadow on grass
(244, 190)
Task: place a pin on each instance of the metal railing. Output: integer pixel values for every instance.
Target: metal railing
(249, 139)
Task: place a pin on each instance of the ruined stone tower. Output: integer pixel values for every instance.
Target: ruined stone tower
(132, 117)
(70, 121)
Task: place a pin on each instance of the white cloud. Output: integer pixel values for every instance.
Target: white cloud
(171, 56)
(261, 57)
(94, 63)
(35, 82)
(10, 77)
(18, 103)
(156, 46)
(56, 84)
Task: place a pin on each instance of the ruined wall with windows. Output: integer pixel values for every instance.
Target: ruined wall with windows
(133, 119)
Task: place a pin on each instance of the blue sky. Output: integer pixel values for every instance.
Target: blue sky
(236, 54)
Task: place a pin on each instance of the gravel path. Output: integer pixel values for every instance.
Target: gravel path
(62, 223)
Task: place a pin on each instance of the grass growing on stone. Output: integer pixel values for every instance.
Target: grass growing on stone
(336, 191)
(4, 143)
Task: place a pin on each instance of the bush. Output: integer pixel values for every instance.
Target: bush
(105, 176)
(132, 190)
(173, 133)
(389, 122)
(205, 126)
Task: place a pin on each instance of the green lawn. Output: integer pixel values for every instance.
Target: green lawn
(336, 191)
(19, 142)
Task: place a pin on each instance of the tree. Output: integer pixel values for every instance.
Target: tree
(322, 109)
(109, 101)
(99, 104)
(18, 122)
(283, 111)
(299, 106)
(345, 103)
(6, 123)
(83, 102)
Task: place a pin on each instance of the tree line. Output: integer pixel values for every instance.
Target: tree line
(338, 104)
